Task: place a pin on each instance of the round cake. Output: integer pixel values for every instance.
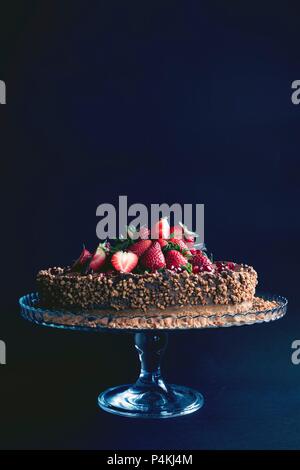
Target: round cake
(148, 278)
(227, 290)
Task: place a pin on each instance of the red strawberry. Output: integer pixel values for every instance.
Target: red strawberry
(140, 247)
(175, 259)
(99, 257)
(231, 265)
(220, 266)
(202, 262)
(197, 257)
(189, 244)
(225, 266)
(206, 266)
(176, 232)
(162, 228)
(144, 233)
(153, 258)
(162, 242)
(124, 262)
(134, 234)
(188, 235)
(83, 259)
(182, 245)
(189, 238)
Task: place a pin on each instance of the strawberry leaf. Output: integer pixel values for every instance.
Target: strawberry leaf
(161, 270)
(171, 246)
(121, 244)
(187, 267)
(140, 270)
(174, 246)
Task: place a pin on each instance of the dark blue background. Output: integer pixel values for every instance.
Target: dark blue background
(165, 102)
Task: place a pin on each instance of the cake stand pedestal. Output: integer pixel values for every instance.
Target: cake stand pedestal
(150, 396)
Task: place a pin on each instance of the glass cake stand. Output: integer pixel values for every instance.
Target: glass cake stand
(150, 396)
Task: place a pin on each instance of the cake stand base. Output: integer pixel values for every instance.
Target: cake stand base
(127, 401)
(150, 396)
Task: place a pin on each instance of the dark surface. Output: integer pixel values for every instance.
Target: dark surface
(173, 102)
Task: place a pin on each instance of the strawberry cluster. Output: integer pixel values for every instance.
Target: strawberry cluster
(173, 248)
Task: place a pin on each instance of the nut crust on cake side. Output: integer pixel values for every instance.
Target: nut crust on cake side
(146, 292)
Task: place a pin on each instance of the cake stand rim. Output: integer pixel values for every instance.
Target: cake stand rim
(106, 329)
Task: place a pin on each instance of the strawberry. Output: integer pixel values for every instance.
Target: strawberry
(189, 244)
(200, 262)
(134, 234)
(162, 228)
(144, 233)
(162, 242)
(153, 258)
(231, 265)
(197, 257)
(176, 232)
(188, 235)
(181, 244)
(124, 262)
(175, 259)
(140, 247)
(98, 258)
(225, 266)
(83, 259)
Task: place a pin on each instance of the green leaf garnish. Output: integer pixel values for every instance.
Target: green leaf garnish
(174, 246)
(121, 244)
(187, 267)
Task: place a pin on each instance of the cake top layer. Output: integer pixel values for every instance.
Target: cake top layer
(139, 273)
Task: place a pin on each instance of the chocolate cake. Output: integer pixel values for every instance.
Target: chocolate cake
(149, 278)
(60, 287)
